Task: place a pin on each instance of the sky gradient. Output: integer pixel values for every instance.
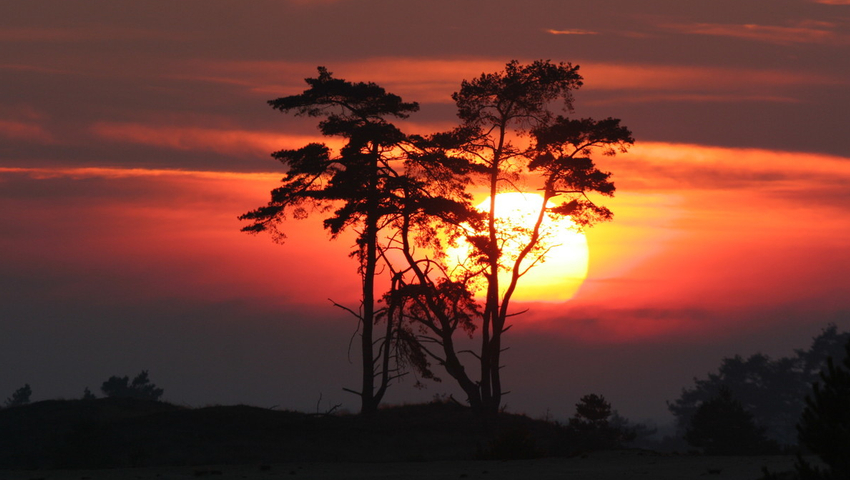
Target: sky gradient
(133, 134)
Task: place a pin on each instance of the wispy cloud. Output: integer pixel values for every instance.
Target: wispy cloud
(421, 79)
(30, 131)
(433, 80)
(79, 173)
(668, 166)
(202, 139)
(614, 76)
(571, 31)
(692, 98)
(804, 32)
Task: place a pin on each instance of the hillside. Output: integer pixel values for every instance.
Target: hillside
(132, 433)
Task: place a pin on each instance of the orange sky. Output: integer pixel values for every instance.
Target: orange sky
(131, 138)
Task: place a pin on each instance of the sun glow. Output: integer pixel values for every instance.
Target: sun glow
(557, 276)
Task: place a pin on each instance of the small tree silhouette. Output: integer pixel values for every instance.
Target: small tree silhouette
(591, 423)
(825, 425)
(592, 411)
(20, 397)
(721, 426)
(87, 395)
(141, 388)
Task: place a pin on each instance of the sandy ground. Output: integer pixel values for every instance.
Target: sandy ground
(598, 466)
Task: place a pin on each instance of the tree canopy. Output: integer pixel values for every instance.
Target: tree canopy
(407, 196)
(371, 185)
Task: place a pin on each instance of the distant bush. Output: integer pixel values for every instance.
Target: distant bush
(20, 397)
(87, 395)
(141, 387)
(721, 426)
(593, 428)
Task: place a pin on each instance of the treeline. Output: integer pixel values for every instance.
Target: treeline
(760, 405)
(773, 391)
(115, 387)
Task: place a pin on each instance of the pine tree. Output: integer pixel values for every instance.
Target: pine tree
(824, 427)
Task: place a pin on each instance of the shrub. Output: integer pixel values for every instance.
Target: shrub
(721, 426)
(592, 426)
(20, 397)
(141, 388)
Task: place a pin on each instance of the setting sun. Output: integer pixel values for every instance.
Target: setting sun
(564, 265)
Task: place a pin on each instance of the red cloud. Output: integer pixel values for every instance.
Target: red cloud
(806, 32)
(24, 131)
(232, 142)
(571, 31)
(433, 80)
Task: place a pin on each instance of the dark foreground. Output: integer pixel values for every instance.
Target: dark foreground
(614, 465)
(124, 438)
(120, 433)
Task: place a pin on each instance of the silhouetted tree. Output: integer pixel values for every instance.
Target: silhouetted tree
(365, 190)
(20, 397)
(824, 427)
(406, 195)
(495, 110)
(87, 395)
(829, 344)
(721, 426)
(141, 387)
(773, 391)
(592, 411)
(592, 422)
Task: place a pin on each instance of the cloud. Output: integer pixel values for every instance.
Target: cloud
(80, 173)
(604, 324)
(96, 33)
(572, 31)
(237, 142)
(668, 166)
(803, 33)
(616, 76)
(433, 80)
(28, 131)
(126, 236)
(691, 98)
(420, 79)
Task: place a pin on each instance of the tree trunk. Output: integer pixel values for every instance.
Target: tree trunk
(491, 385)
(369, 401)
